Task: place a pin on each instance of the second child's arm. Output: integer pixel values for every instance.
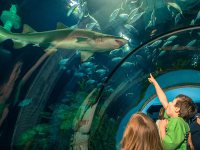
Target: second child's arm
(161, 95)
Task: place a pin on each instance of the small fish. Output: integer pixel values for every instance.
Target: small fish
(116, 59)
(156, 43)
(134, 12)
(123, 17)
(101, 72)
(198, 16)
(153, 32)
(99, 85)
(139, 58)
(192, 22)
(167, 43)
(115, 52)
(114, 15)
(90, 82)
(191, 43)
(79, 74)
(175, 6)
(162, 53)
(135, 18)
(175, 47)
(171, 38)
(25, 102)
(63, 63)
(178, 18)
(93, 23)
(131, 29)
(126, 49)
(87, 64)
(72, 9)
(128, 64)
(152, 21)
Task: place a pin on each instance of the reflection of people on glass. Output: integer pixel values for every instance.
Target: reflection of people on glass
(141, 133)
(195, 133)
(175, 130)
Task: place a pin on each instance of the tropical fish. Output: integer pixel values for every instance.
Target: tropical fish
(86, 41)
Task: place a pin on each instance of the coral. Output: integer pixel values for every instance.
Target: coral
(10, 18)
(6, 89)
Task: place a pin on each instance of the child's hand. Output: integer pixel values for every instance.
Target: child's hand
(163, 123)
(162, 127)
(152, 79)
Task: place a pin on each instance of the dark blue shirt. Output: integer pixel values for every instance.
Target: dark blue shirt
(195, 132)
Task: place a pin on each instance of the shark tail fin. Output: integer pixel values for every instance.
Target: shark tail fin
(4, 34)
(85, 55)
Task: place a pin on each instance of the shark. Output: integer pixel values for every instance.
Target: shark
(86, 41)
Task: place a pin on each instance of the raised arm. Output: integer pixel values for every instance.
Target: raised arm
(161, 95)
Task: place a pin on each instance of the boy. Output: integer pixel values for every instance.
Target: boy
(174, 129)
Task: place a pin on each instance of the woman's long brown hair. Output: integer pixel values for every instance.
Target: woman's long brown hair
(141, 133)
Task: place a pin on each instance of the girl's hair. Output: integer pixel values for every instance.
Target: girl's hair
(141, 133)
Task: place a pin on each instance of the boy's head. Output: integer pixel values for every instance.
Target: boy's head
(181, 106)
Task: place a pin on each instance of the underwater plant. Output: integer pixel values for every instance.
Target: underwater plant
(10, 18)
(104, 137)
(35, 138)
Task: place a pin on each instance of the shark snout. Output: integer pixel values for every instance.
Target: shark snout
(121, 42)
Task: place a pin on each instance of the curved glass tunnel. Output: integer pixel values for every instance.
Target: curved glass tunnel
(59, 102)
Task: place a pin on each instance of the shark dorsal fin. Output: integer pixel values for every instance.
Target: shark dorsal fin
(61, 26)
(27, 29)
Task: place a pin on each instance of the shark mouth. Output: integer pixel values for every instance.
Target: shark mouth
(121, 43)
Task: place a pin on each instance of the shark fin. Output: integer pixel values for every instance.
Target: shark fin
(61, 26)
(85, 55)
(27, 29)
(18, 44)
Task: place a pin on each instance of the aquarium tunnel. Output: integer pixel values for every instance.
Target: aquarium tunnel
(58, 91)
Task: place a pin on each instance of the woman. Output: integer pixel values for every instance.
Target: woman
(141, 133)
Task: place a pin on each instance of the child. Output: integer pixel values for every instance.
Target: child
(141, 133)
(174, 129)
